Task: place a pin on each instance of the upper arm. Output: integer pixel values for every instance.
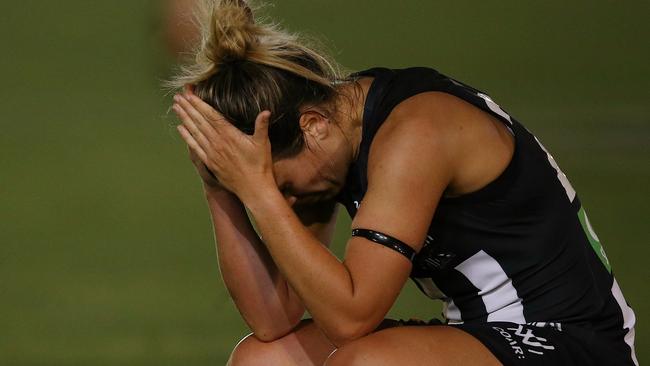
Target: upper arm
(409, 168)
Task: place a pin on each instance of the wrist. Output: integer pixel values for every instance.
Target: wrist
(257, 188)
(261, 196)
(216, 192)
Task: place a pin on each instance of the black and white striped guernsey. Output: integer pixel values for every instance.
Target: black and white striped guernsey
(519, 250)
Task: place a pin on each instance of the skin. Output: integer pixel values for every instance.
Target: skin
(292, 270)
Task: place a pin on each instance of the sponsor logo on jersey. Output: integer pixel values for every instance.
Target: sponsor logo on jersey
(523, 341)
(432, 257)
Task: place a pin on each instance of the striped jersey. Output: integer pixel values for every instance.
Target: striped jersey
(521, 249)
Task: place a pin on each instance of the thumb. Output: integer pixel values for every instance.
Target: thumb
(262, 126)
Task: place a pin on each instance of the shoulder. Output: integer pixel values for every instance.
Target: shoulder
(424, 125)
(444, 136)
(410, 165)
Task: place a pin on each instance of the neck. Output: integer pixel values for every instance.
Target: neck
(350, 107)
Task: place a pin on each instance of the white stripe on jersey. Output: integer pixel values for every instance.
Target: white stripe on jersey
(495, 107)
(451, 312)
(495, 288)
(570, 192)
(628, 318)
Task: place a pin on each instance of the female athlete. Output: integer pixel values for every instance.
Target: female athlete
(444, 187)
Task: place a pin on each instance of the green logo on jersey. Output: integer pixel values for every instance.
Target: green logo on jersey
(593, 239)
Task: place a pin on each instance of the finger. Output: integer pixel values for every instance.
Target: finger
(199, 164)
(210, 114)
(191, 127)
(196, 117)
(195, 158)
(216, 123)
(262, 126)
(195, 123)
(191, 142)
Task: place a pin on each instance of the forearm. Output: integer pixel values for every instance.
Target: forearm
(253, 280)
(324, 284)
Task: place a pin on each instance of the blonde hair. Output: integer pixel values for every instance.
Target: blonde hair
(242, 66)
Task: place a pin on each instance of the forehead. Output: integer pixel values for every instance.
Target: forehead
(292, 168)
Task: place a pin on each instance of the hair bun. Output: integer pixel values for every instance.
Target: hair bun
(229, 33)
(233, 32)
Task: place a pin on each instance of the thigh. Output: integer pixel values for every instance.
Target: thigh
(415, 346)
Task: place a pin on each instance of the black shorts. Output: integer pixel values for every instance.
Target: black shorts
(520, 344)
(544, 343)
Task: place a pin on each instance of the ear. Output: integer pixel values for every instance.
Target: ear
(314, 124)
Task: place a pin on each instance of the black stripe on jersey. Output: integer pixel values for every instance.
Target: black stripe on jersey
(470, 304)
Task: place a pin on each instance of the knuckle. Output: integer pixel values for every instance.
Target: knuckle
(212, 113)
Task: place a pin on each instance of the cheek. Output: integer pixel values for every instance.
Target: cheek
(305, 177)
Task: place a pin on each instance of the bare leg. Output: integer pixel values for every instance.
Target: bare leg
(305, 346)
(401, 345)
(414, 346)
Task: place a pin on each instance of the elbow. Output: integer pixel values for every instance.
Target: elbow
(268, 336)
(276, 325)
(272, 334)
(345, 332)
(270, 331)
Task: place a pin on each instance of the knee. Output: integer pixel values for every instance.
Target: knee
(250, 351)
(351, 354)
(304, 345)
(375, 349)
(340, 357)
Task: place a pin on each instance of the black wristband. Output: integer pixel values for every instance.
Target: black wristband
(387, 241)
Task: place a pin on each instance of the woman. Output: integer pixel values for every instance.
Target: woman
(443, 186)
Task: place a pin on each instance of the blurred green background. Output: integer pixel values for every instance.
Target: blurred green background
(106, 250)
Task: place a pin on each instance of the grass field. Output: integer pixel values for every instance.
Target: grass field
(106, 252)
